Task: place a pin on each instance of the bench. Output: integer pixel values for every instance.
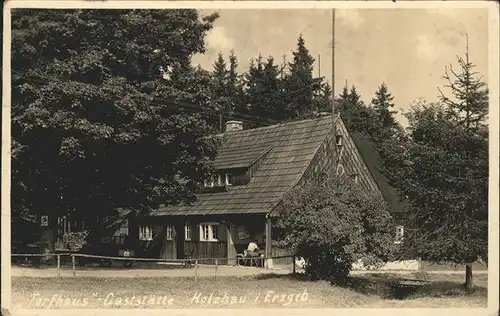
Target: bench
(244, 259)
(402, 288)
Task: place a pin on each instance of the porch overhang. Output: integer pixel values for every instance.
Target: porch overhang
(194, 211)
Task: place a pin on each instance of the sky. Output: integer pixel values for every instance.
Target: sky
(407, 49)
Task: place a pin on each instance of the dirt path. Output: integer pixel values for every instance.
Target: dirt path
(202, 271)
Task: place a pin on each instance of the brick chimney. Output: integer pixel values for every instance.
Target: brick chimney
(232, 126)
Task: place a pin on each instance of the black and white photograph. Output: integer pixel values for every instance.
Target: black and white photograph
(269, 157)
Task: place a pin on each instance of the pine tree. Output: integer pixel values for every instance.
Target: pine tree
(301, 86)
(361, 117)
(272, 101)
(355, 114)
(383, 106)
(342, 104)
(448, 182)
(324, 99)
(235, 86)
(253, 85)
(468, 104)
(232, 76)
(263, 90)
(227, 94)
(220, 99)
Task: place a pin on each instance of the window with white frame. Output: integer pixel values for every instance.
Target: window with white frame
(399, 234)
(170, 231)
(145, 232)
(208, 232)
(214, 181)
(187, 231)
(123, 229)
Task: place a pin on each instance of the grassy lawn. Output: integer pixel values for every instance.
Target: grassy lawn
(240, 292)
(429, 266)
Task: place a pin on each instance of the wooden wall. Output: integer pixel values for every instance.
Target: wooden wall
(229, 243)
(178, 247)
(204, 249)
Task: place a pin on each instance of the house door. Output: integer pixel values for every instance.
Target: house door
(179, 238)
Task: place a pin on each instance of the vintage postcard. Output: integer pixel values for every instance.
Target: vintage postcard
(285, 157)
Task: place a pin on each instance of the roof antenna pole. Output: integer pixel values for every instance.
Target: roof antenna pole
(333, 65)
(319, 65)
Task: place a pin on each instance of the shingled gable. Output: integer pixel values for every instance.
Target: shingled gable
(286, 150)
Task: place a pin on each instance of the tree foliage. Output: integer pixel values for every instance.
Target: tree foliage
(378, 123)
(383, 106)
(447, 183)
(332, 224)
(263, 88)
(468, 104)
(324, 98)
(448, 187)
(270, 93)
(95, 121)
(300, 84)
(226, 90)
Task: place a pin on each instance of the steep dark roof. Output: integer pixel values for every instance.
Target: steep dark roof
(290, 148)
(371, 158)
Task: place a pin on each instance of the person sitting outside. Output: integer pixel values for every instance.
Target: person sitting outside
(253, 249)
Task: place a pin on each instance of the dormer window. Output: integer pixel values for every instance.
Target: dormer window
(228, 179)
(214, 182)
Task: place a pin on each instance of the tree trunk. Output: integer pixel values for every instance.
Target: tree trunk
(469, 285)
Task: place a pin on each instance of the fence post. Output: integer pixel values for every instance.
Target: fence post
(73, 263)
(195, 270)
(293, 263)
(216, 263)
(58, 265)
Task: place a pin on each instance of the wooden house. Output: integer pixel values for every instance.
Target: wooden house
(256, 167)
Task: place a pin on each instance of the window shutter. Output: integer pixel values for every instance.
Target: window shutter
(222, 231)
(195, 232)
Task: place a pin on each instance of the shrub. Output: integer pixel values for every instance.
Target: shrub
(332, 224)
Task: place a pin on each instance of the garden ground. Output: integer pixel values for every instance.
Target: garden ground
(251, 289)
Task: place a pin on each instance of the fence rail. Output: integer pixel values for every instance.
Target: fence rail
(191, 262)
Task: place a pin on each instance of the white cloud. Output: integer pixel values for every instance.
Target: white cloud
(427, 47)
(350, 17)
(218, 39)
(433, 46)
